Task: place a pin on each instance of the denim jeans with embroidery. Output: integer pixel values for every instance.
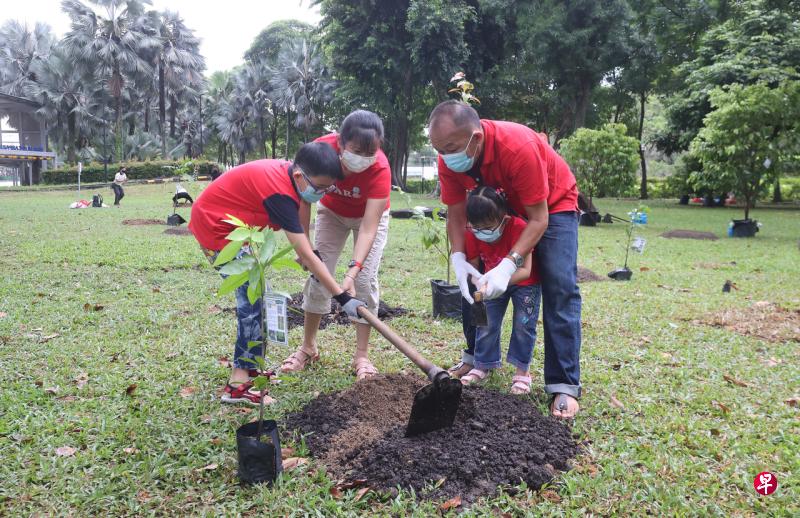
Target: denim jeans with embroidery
(525, 301)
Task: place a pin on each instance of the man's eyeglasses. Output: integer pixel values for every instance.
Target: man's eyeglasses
(318, 190)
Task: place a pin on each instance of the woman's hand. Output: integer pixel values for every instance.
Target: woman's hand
(349, 285)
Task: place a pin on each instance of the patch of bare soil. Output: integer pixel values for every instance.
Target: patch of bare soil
(765, 320)
(587, 275)
(690, 234)
(294, 313)
(497, 440)
(178, 231)
(143, 222)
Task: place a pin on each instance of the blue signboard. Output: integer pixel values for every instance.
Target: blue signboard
(22, 148)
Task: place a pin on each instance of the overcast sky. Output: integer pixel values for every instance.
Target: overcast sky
(226, 27)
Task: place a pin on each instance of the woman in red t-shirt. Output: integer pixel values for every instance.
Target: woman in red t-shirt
(491, 235)
(359, 205)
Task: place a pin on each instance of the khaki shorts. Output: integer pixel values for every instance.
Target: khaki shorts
(330, 235)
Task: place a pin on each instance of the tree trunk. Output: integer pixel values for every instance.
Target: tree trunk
(71, 137)
(162, 112)
(777, 196)
(173, 114)
(287, 133)
(643, 188)
(147, 116)
(582, 105)
(262, 135)
(131, 125)
(274, 131)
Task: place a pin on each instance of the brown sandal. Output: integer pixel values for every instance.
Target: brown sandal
(298, 361)
(364, 368)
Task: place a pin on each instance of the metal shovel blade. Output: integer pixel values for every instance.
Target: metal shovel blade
(435, 406)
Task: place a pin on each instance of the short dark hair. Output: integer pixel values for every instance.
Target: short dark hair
(461, 113)
(319, 159)
(485, 205)
(362, 128)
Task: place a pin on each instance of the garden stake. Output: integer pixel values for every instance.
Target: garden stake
(435, 405)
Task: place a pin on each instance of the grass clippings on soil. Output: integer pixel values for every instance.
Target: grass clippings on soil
(587, 275)
(337, 316)
(497, 440)
(765, 320)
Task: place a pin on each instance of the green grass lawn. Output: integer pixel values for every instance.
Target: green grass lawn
(685, 442)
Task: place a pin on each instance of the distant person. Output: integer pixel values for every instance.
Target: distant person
(270, 193)
(120, 179)
(215, 173)
(181, 194)
(491, 234)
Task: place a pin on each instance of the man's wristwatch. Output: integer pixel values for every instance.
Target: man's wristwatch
(517, 259)
(353, 263)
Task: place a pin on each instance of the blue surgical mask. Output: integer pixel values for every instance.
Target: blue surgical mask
(459, 162)
(488, 236)
(310, 195)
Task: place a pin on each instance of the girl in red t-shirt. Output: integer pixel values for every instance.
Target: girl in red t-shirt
(491, 234)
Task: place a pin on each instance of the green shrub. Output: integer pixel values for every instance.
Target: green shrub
(604, 161)
(94, 172)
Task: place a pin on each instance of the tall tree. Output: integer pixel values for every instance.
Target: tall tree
(577, 43)
(269, 42)
(20, 50)
(106, 43)
(388, 53)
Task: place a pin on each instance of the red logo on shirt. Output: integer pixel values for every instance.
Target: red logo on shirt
(765, 483)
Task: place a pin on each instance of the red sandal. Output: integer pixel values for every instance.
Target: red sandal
(244, 393)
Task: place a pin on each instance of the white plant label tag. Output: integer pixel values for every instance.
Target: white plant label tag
(277, 328)
(638, 244)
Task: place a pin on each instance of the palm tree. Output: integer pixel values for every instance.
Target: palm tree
(180, 66)
(302, 84)
(232, 120)
(106, 45)
(252, 85)
(64, 94)
(20, 49)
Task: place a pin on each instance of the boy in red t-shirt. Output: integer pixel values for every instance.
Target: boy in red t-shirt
(491, 234)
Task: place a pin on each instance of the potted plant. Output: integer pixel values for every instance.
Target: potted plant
(433, 235)
(258, 444)
(635, 219)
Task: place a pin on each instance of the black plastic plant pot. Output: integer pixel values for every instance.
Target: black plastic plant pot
(744, 228)
(589, 219)
(259, 457)
(446, 300)
(175, 220)
(621, 274)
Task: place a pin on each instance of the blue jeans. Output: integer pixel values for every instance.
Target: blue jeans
(523, 332)
(248, 318)
(249, 321)
(557, 259)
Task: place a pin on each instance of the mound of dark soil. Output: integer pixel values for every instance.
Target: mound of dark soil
(689, 234)
(587, 275)
(294, 313)
(178, 231)
(143, 222)
(497, 439)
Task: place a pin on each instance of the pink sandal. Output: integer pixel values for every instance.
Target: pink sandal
(475, 377)
(521, 385)
(364, 368)
(298, 361)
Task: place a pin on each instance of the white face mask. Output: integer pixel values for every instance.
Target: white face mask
(357, 163)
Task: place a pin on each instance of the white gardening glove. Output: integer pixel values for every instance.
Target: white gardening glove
(463, 270)
(495, 282)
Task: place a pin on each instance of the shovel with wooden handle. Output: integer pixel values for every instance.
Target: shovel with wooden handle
(435, 405)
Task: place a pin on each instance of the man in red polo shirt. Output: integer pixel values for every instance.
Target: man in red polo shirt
(540, 189)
